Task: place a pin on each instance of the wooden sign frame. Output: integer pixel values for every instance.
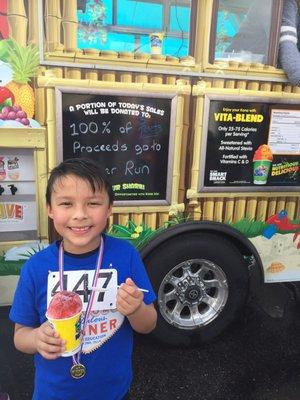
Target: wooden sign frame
(239, 152)
(144, 95)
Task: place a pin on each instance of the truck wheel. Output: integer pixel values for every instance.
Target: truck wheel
(201, 281)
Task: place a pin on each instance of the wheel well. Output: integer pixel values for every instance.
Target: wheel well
(241, 243)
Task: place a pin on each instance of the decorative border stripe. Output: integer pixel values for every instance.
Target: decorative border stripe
(288, 38)
(286, 28)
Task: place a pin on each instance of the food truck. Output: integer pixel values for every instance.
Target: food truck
(196, 124)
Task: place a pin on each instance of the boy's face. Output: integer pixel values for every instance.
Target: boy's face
(78, 214)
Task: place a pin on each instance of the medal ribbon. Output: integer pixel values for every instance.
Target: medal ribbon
(76, 357)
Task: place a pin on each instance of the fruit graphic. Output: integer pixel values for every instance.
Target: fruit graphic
(6, 97)
(14, 113)
(24, 62)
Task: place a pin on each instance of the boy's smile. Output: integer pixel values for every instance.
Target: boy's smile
(79, 214)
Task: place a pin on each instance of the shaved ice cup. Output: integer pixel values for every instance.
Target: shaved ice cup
(261, 170)
(69, 329)
(156, 40)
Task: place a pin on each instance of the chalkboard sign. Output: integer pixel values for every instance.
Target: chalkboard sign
(250, 144)
(131, 135)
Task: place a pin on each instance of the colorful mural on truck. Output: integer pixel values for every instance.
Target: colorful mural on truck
(18, 65)
(279, 248)
(277, 241)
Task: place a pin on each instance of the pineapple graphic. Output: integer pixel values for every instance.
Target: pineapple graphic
(24, 62)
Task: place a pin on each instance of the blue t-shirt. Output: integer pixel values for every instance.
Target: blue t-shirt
(109, 335)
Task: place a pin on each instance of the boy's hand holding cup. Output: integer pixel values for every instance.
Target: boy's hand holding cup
(47, 342)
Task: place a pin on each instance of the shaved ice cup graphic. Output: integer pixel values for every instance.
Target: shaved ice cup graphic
(156, 41)
(69, 328)
(262, 161)
(261, 170)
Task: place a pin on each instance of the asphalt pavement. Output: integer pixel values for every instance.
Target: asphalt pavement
(257, 358)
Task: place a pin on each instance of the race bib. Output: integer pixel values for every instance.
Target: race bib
(100, 327)
(81, 281)
(104, 320)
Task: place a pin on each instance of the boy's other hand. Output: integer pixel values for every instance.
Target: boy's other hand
(48, 342)
(129, 298)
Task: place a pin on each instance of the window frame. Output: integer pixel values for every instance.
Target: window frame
(137, 32)
(273, 45)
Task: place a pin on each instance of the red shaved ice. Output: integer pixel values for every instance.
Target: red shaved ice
(64, 304)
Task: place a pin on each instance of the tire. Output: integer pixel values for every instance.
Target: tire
(201, 281)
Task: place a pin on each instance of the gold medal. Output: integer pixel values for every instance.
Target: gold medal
(77, 371)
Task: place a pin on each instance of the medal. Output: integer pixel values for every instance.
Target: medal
(77, 371)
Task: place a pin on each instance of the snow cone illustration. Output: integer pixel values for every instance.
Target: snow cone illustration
(13, 168)
(2, 169)
(262, 161)
(156, 39)
(64, 314)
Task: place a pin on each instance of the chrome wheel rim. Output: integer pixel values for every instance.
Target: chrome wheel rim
(193, 294)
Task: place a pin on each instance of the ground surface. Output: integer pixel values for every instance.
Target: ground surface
(258, 358)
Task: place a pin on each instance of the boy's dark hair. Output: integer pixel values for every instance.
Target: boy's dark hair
(83, 168)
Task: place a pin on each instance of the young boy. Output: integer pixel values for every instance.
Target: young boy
(79, 200)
